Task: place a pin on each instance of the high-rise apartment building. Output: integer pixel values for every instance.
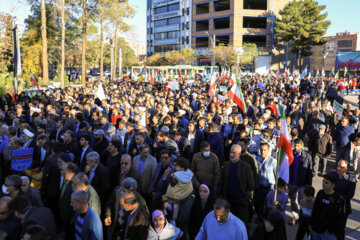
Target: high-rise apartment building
(168, 25)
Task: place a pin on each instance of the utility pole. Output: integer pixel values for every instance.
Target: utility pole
(213, 41)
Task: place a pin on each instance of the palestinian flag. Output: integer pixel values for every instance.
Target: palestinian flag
(323, 72)
(333, 71)
(285, 155)
(337, 75)
(237, 96)
(212, 86)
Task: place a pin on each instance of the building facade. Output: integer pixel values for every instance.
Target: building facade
(234, 22)
(324, 56)
(168, 25)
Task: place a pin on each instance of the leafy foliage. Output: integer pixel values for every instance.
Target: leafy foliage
(303, 24)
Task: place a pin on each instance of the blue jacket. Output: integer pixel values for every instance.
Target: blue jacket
(160, 187)
(344, 135)
(92, 227)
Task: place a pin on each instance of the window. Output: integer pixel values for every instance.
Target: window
(260, 41)
(172, 21)
(202, 25)
(254, 22)
(202, 8)
(159, 23)
(221, 5)
(202, 42)
(255, 4)
(174, 34)
(222, 40)
(346, 43)
(222, 23)
(160, 10)
(166, 48)
(173, 7)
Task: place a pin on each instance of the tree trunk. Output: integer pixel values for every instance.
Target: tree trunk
(83, 55)
(44, 44)
(101, 43)
(115, 50)
(62, 74)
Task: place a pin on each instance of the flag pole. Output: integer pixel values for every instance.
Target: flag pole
(277, 173)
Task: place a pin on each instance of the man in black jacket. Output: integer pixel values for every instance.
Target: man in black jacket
(238, 184)
(300, 176)
(50, 187)
(30, 216)
(98, 176)
(85, 149)
(66, 212)
(327, 218)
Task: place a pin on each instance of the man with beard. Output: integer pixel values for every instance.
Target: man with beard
(113, 162)
(101, 143)
(127, 170)
(85, 149)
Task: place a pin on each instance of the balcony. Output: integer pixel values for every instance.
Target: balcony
(167, 41)
(167, 28)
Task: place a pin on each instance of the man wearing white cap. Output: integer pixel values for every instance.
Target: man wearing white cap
(28, 140)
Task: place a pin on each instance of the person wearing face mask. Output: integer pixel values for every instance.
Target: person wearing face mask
(206, 167)
(203, 204)
(238, 184)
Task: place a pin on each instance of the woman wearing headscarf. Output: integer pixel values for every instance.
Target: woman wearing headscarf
(203, 204)
(273, 228)
(161, 229)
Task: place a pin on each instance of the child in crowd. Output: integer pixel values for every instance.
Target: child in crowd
(35, 174)
(306, 206)
(281, 199)
(180, 186)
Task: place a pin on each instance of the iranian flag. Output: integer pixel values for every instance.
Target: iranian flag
(286, 73)
(285, 155)
(237, 96)
(317, 73)
(233, 78)
(152, 77)
(337, 75)
(212, 86)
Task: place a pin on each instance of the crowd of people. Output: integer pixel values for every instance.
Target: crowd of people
(150, 162)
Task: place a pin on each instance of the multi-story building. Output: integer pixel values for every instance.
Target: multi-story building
(168, 25)
(324, 56)
(234, 22)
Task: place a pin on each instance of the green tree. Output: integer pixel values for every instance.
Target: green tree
(225, 56)
(302, 24)
(188, 56)
(249, 53)
(5, 43)
(156, 60)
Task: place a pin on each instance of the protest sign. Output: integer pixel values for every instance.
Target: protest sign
(173, 85)
(22, 159)
(338, 108)
(190, 83)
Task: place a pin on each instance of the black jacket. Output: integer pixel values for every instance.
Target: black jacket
(100, 182)
(82, 162)
(65, 210)
(245, 178)
(40, 216)
(304, 170)
(51, 177)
